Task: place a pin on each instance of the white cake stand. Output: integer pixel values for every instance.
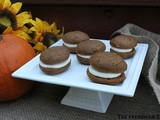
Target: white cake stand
(83, 93)
(87, 99)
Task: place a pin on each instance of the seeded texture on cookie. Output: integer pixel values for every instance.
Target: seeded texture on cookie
(85, 49)
(107, 68)
(55, 60)
(123, 45)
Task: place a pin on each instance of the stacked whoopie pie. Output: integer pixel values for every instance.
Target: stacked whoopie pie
(86, 49)
(55, 60)
(123, 45)
(73, 38)
(107, 68)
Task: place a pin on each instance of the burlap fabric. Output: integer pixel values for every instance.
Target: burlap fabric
(151, 68)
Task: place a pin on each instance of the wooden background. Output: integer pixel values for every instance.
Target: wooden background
(98, 18)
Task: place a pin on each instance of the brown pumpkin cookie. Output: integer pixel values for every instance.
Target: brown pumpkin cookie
(107, 68)
(123, 45)
(87, 48)
(54, 60)
(71, 39)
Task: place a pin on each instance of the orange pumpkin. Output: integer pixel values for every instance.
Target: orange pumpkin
(14, 52)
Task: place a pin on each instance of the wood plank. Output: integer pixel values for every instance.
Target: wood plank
(94, 2)
(97, 21)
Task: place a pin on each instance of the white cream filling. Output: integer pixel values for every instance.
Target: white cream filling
(103, 74)
(59, 65)
(121, 50)
(70, 45)
(84, 56)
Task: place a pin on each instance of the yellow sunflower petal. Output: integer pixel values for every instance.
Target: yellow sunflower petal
(38, 37)
(24, 15)
(33, 22)
(33, 29)
(22, 22)
(25, 29)
(1, 4)
(60, 35)
(6, 4)
(39, 21)
(2, 1)
(37, 24)
(40, 47)
(53, 25)
(45, 23)
(22, 34)
(15, 8)
(23, 18)
(46, 26)
(54, 28)
(8, 30)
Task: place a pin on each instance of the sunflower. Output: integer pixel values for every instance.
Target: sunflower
(44, 34)
(40, 34)
(11, 19)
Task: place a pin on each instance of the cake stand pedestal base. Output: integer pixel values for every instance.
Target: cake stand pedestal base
(87, 99)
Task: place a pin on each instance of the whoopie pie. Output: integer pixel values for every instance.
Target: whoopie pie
(72, 38)
(55, 60)
(87, 48)
(123, 45)
(107, 68)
